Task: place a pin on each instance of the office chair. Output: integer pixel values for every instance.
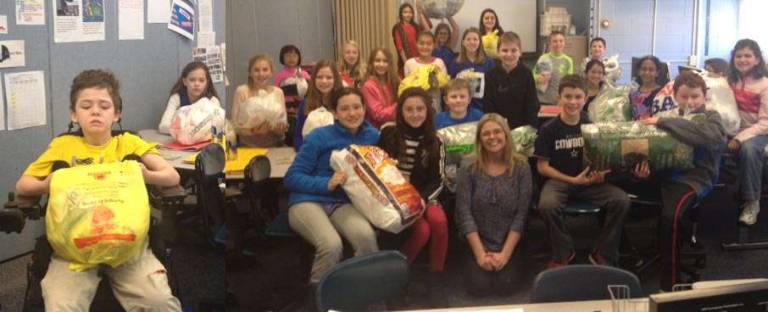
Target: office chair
(582, 282)
(355, 283)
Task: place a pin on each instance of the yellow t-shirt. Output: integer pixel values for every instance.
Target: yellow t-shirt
(75, 151)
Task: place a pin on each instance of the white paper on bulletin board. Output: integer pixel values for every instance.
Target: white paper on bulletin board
(25, 98)
(12, 53)
(130, 19)
(158, 11)
(2, 110)
(30, 12)
(78, 20)
(519, 16)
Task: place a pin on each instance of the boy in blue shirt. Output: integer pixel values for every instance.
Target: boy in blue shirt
(457, 98)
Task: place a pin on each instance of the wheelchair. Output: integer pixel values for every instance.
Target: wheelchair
(163, 200)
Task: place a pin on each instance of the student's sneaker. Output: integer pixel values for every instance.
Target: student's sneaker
(597, 259)
(559, 263)
(749, 212)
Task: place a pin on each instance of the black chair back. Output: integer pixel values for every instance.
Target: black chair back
(358, 282)
(209, 171)
(582, 282)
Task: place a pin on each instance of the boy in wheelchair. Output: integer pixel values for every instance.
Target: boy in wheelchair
(141, 282)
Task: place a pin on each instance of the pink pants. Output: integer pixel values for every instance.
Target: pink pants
(434, 223)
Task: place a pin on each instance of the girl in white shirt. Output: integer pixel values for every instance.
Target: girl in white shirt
(194, 84)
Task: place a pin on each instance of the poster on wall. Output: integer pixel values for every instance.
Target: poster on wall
(158, 11)
(130, 19)
(2, 110)
(182, 19)
(12, 54)
(78, 20)
(30, 12)
(212, 57)
(3, 24)
(25, 98)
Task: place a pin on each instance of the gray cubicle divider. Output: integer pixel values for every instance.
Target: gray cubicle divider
(147, 69)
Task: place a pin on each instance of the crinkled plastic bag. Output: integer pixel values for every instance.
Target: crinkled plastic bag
(524, 138)
(459, 142)
(261, 108)
(664, 104)
(620, 146)
(611, 105)
(720, 98)
(98, 214)
(299, 81)
(376, 187)
(427, 77)
(317, 118)
(192, 123)
(612, 69)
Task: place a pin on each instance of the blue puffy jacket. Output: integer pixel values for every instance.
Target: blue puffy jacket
(307, 178)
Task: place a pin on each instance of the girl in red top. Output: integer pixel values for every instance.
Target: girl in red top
(404, 35)
(379, 88)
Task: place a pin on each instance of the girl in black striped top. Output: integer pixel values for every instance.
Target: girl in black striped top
(413, 142)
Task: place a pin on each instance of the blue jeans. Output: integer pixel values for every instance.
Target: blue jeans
(751, 160)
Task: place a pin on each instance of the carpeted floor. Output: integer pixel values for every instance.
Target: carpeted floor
(270, 282)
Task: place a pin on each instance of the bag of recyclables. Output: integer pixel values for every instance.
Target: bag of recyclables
(611, 105)
(98, 214)
(192, 123)
(376, 187)
(620, 146)
(459, 142)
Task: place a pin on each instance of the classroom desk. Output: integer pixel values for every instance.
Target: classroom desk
(633, 305)
(280, 158)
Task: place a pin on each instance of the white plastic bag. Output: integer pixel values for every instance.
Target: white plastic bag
(299, 81)
(263, 107)
(376, 187)
(192, 123)
(720, 98)
(317, 118)
(664, 104)
(612, 69)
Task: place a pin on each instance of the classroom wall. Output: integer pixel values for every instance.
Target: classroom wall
(146, 68)
(264, 26)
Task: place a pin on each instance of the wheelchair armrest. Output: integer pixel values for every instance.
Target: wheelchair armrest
(167, 196)
(28, 205)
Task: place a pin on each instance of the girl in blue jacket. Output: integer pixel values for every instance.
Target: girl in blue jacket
(319, 210)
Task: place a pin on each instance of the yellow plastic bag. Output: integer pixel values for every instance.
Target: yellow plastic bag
(427, 77)
(98, 214)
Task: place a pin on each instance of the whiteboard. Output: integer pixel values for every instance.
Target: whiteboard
(519, 16)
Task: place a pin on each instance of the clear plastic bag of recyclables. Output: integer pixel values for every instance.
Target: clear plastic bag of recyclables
(459, 142)
(524, 138)
(620, 146)
(612, 104)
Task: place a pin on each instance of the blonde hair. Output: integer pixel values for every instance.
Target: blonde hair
(458, 84)
(253, 61)
(510, 157)
(357, 71)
